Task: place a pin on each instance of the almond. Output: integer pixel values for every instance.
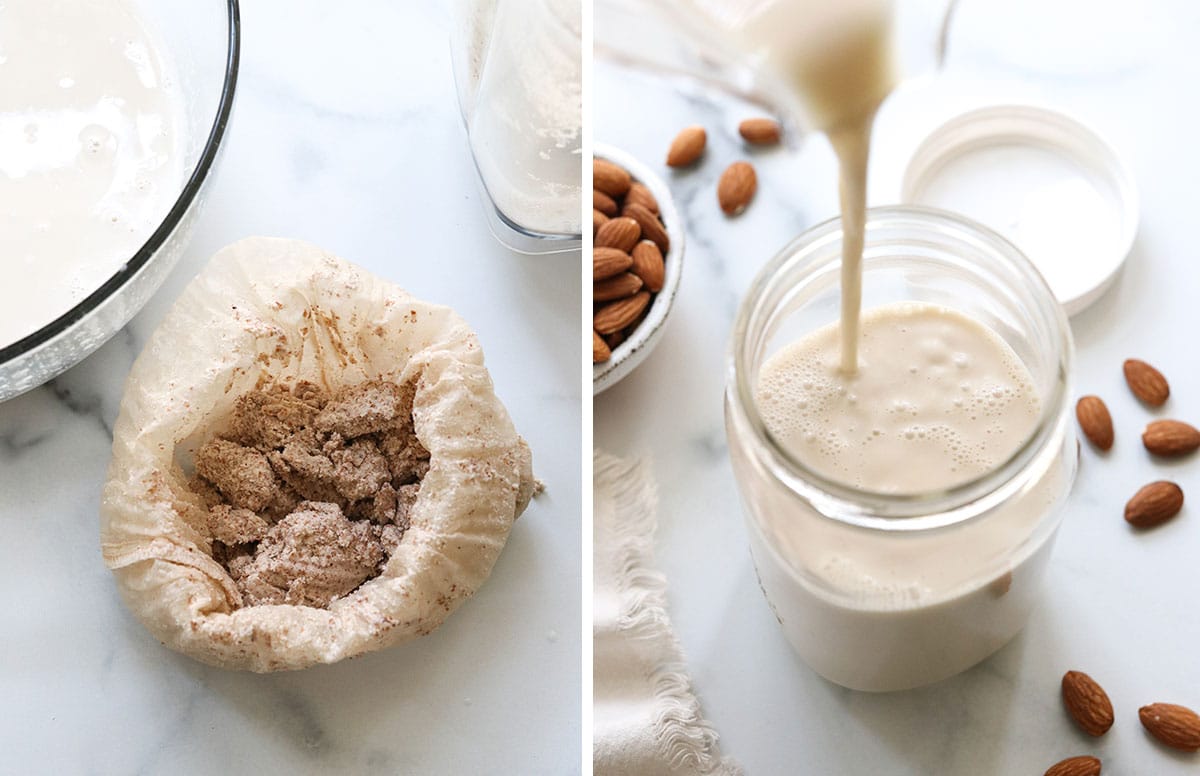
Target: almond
(1146, 382)
(598, 220)
(641, 317)
(736, 187)
(617, 287)
(604, 203)
(687, 147)
(1155, 503)
(640, 195)
(1170, 438)
(652, 228)
(615, 316)
(1175, 726)
(620, 233)
(760, 131)
(648, 265)
(607, 262)
(615, 339)
(1095, 421)
(1087, 703)
(1000, 586)
(600, 349)
(609, 178)
(1083, 765)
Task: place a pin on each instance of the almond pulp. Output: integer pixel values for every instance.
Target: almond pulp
(760, 131)
(621, 233)
(615, 316)
(604, 203)
(609, 178)
(649, 266)
(1154, 504)
(1170, 438)
(1146, 382)
(1175, 726)
(1083, 765)
(607, 262)
(736, 187)
(1087, 703)
(652, 228)
(687, 147)
(1095, 421)
(640, 195)
(617, 287)
(600, 349)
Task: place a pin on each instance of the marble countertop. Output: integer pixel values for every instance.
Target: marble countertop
(1118, 605)
(346, 133)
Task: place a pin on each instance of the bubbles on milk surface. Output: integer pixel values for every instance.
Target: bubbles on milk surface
(938, 399)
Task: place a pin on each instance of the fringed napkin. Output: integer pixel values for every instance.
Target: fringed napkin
(647, 721)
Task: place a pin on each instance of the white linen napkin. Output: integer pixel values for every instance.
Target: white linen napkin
(646, 720)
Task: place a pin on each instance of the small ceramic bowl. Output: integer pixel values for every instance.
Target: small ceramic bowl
(631, 352)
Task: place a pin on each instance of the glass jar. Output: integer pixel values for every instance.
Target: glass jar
(884, 592)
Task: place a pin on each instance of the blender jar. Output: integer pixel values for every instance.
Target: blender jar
(737, 47)
(884, 592)
(518, 67)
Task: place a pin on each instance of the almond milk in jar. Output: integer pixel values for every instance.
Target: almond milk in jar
(901, 515)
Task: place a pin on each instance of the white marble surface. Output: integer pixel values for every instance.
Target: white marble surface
(1119, 605)
(346, 133)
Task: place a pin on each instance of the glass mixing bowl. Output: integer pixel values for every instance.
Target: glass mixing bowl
(204, 39)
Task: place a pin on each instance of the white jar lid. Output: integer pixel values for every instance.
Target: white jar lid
(1040, 178)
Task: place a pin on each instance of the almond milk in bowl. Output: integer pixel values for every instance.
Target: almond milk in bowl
(901, 516)
(111, 120)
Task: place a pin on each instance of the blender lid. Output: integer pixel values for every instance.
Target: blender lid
(1041, 179)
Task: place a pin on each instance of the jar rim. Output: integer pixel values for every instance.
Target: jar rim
(921, 511)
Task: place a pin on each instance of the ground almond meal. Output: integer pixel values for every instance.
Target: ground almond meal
(308, 494)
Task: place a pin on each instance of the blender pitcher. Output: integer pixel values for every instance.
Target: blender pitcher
(743, 47)
(517, 66)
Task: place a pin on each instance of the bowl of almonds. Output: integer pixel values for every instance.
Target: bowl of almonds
(637, 258)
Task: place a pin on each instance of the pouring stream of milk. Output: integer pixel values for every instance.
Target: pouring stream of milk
(837, 58)
(852, 144)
